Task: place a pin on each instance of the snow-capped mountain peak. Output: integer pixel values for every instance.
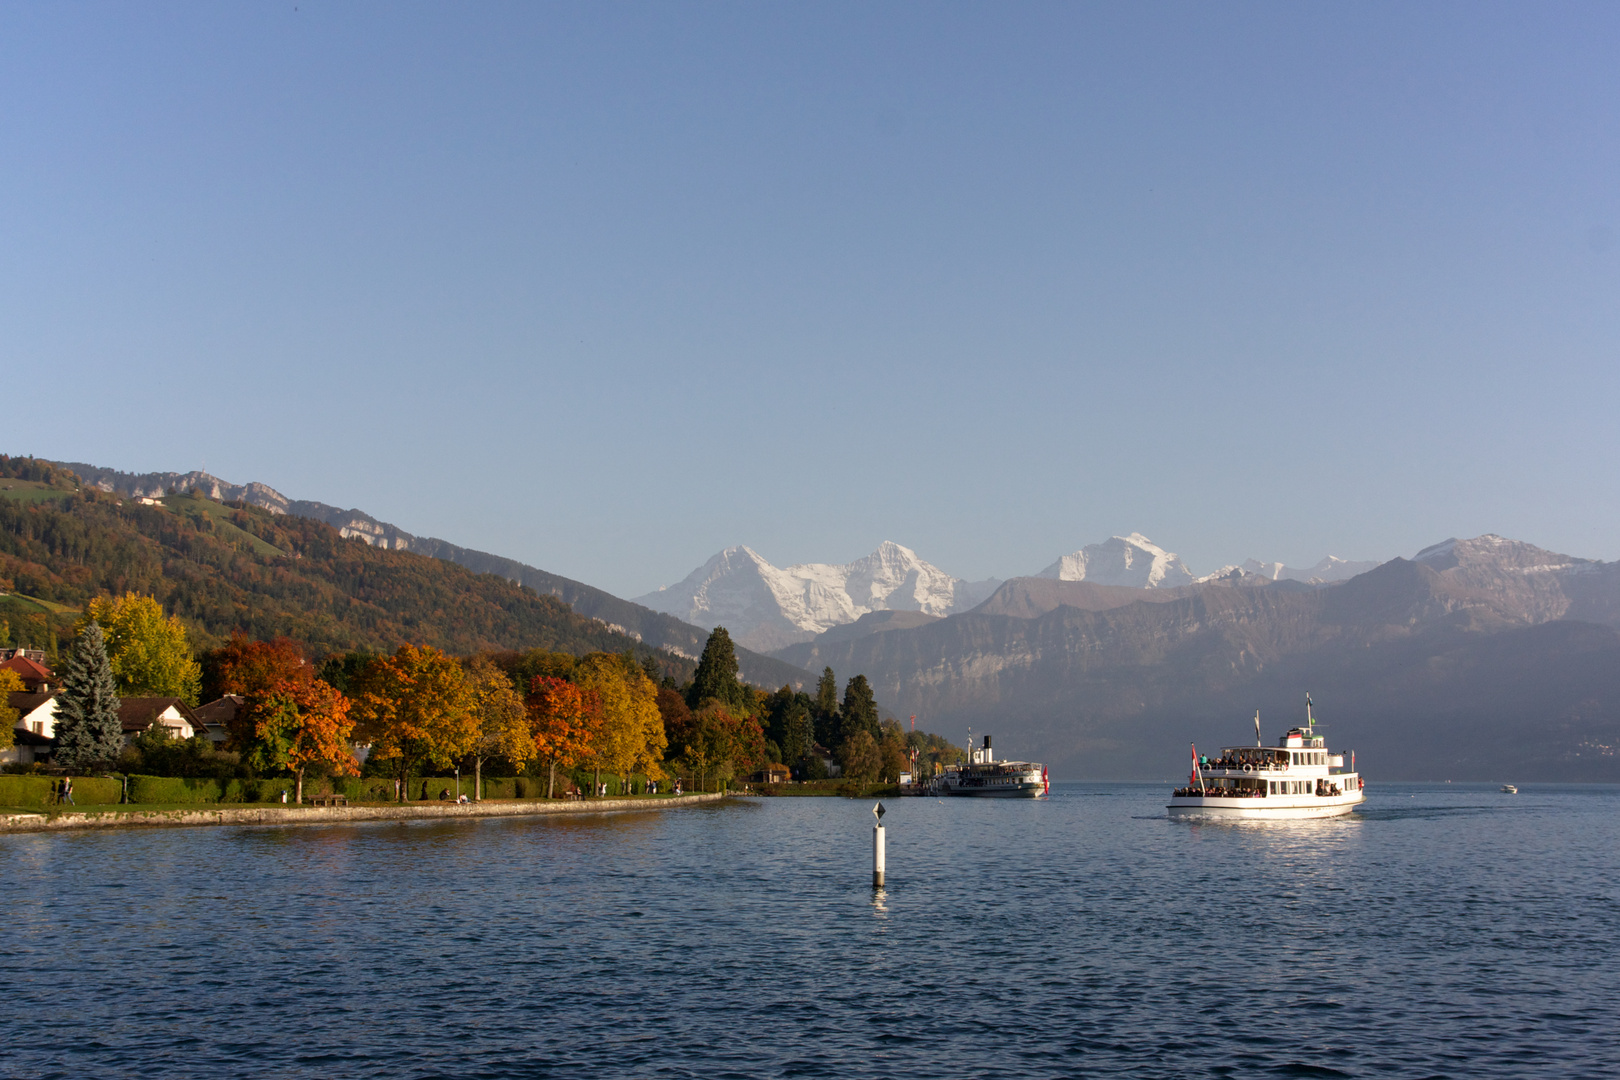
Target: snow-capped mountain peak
(765, 607)
(1330, 569)
(1133, 561)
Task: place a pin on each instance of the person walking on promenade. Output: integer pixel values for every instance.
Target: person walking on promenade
(67, 791)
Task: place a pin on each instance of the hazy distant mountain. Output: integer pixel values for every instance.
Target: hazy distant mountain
(652, 627)
(765, 607)
(1326, 572)
(1133, 561)
(1484, 659)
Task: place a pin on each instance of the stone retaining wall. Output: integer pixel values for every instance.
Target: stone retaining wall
(318, 815)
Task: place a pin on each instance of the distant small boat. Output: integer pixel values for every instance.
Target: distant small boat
(1509, 789)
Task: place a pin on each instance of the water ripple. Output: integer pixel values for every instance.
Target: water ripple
(1443, 932)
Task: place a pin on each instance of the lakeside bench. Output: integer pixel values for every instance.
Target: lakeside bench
(329, 800)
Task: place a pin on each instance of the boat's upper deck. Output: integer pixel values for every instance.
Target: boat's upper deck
(1300, 750)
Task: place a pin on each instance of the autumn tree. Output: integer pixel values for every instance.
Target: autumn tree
(631, 735)
(297, 723)
(10, 683)
(245, 666)
(415, 707)
(894, 757)
(716, 676)
(88, 732)
(860, 757)
(503, 723)
(149, 653)
(562, 723)
(714, 741)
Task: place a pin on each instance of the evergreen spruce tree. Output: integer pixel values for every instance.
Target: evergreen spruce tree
(799, 731)
(860, 711)
(88, 733)
(825, 709)
(716, 675)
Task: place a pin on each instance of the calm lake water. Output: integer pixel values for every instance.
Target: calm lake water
(1444, 931)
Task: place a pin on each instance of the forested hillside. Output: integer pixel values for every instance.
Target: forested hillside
(653, 628)
(232, 567)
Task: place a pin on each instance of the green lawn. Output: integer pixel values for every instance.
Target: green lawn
(50, 607)
(220, 514)
(30, 491)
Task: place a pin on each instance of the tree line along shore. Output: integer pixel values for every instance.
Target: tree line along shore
(418, 723)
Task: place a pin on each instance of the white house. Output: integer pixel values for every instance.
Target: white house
(141, 714)
(36, 726)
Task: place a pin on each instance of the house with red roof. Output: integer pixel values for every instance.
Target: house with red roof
(35, 676)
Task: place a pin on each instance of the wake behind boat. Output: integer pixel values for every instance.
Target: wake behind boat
(988, 778)
(1297, 778)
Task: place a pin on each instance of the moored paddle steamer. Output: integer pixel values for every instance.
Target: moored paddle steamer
(985, 777)
(1298, 778)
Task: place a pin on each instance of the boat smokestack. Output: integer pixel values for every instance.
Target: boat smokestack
(989, 754)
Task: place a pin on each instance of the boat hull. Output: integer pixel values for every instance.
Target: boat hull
(1007, 791)
(1266, 809)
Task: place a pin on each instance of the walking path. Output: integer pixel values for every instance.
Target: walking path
(205, 814)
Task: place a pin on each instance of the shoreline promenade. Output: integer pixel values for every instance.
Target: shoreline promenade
(328, 815)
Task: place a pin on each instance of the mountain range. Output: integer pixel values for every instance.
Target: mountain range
(1475, 659)
(768, 609)
(1484, 658)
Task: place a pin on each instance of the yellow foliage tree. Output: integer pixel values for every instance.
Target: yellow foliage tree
(503, 722)
(631, 736)
(417, 707)
(149, 653)
(10, 683)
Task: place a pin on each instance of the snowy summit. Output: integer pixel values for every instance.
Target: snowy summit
(1133, 561)
(766, 608)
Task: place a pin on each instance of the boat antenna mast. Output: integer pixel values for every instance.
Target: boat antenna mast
(1310, 721)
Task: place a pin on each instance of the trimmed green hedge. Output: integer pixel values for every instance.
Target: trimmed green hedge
(39, 792)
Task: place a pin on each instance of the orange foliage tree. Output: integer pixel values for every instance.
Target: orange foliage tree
(244, 666)
(297, 723)
(416, 706)
(563, 721)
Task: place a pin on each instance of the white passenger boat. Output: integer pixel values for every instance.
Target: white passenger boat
(987, 778)
(1509, 789)
(1298, 778)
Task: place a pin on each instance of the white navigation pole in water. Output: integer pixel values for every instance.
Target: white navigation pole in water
(877, 847)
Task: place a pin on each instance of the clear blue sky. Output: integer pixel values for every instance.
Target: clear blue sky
(609, 287)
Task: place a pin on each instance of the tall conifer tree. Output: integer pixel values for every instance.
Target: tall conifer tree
(88, 733)
(860, 711)
(825, 709)
(716, 675)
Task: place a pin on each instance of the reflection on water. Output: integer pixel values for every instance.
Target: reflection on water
(1440, 931)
